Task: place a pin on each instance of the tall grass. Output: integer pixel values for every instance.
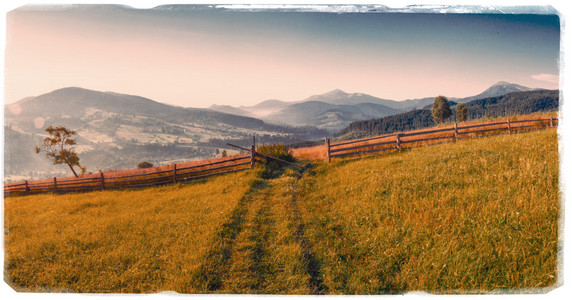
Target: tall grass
(123, 241)
(475, 216)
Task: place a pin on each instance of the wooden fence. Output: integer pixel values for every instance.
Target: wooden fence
(176, 174)
(163, 177)
(401, 140)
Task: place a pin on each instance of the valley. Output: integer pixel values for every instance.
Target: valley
(117, 131)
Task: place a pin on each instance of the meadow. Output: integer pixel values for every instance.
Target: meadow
(478, 215)
(475, 216)
(120, 241)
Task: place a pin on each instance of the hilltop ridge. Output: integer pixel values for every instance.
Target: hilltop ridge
(116, 131)
(334, 114)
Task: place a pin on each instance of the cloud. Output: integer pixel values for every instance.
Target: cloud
(546, 77)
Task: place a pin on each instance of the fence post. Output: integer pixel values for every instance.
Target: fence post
(508, 124)
(456, 132)
(27, 188)
(328, 154)
(252, 156)
(102, 181)
(398, 141)
(174, 173)
(551, 122)
(55, 185)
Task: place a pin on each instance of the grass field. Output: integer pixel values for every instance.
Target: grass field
(127, 241)
(474, 216)
(478, 215)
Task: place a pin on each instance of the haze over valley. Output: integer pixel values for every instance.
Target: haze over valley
(116, 131)
(177, 82)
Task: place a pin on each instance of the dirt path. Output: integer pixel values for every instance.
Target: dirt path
(261, 248)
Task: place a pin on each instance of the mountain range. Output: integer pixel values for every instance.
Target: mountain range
(512, 103)
(335, 110)
(116, 131)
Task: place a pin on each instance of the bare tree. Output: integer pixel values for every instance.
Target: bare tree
(59, 148)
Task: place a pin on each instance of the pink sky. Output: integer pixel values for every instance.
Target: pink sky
(196, 67)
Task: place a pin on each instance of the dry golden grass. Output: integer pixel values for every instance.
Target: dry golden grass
(474, 216)
(316, 153)
(122, 241)
(267, 256)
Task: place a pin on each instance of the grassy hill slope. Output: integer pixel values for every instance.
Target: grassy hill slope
(477, 215)
(126, 241)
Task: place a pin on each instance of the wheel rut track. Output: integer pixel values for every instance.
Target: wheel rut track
(209, 276)
(248, 267)
(316, 283)
(248, 229)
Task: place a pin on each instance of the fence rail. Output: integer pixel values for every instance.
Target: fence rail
(397, 141)
(382, 143)
(163, 177)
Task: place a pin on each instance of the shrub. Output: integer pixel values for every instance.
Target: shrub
(144, 165)
(276, 150)
(273, 168)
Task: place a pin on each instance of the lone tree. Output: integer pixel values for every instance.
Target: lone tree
(59, 148)
(461, 112)
(441, 109)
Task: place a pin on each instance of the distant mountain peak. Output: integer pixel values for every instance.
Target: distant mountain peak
(498, 89)
(72, 89)
(334, 93)
(509, 86)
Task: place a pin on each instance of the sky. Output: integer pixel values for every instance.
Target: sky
(196, 57)
(200, 60)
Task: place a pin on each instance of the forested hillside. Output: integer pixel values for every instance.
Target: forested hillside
(509, 104)
(514, 103)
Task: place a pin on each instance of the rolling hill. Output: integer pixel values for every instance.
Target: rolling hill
(335, 110)
(116, 131)
(498, 89)
(476, 216)
(326, 115)
(508, 104)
